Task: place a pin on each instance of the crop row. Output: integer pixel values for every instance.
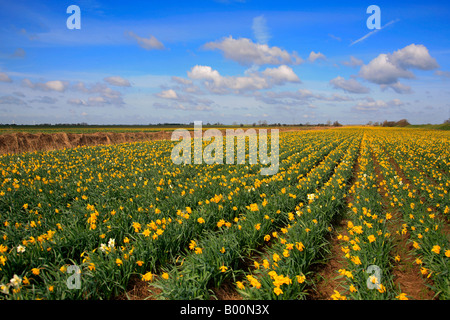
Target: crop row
(217, 256)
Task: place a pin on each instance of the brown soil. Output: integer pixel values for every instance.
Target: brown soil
(327, 276)
(406, 272)
(138, 289)
(28, 142)
(20, 142)
(227, 291)
(328, 280)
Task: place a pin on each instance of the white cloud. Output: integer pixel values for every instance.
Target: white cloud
(313, 56)
(77, 102)
(167, 94)
(376, 105)
(117, 81)
(97, 101)
(387, 69)
(253, 80)
(147, 43)
(246, 52)
(4, 77)
(182, 101)
(54, 85)
(381, 70)
(350, 85)
(260, 30)
(109, 95)
(397, 87)
(414, 57)
(281, 74)
(181, 80)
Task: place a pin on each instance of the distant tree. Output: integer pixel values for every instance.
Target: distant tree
(370, 123)
(402, 123)
(447, 121)
(389, 123)
(337, 124)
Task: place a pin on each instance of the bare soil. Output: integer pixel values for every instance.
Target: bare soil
(406, 272)
(20, 142)
(28, 142)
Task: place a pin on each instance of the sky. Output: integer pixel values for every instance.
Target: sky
(224, 61)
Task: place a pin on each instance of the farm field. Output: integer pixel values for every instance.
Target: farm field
(370, 205)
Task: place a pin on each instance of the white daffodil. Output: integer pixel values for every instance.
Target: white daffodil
(15, 281)
(103, 247)
(111, 243)
(4, 288)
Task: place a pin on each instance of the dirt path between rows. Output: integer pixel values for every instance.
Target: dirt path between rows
(406, 272)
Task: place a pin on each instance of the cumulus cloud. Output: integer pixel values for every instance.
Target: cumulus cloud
(4, 77)
(168, 94)
(414, 56)
(382, 71)
(150, 43)
(281, 75)
(350, 85)
(246, 52)
(54, 85)
(387, 69)
(117, 81)
(254, 80)
(313, 56)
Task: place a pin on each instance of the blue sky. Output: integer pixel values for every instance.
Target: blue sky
(224, 61)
